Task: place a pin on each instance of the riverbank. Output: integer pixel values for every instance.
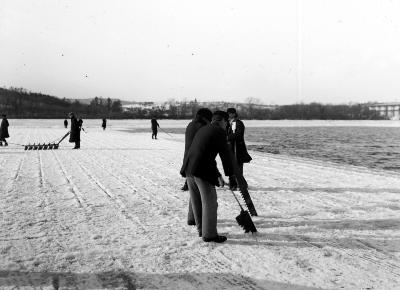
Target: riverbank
(111, 215)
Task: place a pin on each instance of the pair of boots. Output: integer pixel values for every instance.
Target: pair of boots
(185, 187)
(5, 143)
(77, 145)
(192, 222)
(217, 239)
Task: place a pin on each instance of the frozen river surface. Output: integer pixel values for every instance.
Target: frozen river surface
(112, 215)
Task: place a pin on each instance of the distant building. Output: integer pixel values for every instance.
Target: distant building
(388, 110)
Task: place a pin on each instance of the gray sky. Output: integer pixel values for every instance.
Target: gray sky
(281, 52)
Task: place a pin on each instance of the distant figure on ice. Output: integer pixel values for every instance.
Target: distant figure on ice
(202, 118)
(154, 126)
(65, 123)
(75, 133)
(237, 145)
(104, 124)
(202, 175)
(4, 130)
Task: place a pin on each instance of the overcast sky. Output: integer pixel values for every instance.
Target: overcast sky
(280, 52)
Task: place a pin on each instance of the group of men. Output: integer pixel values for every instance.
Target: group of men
(208, 135)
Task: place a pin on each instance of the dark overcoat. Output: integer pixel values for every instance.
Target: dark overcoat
(4, 129)
(191, 131)
(237, 144)
(199, 161)
(75, 135)
(154, 124)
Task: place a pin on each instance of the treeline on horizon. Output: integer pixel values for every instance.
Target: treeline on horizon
(19, 103)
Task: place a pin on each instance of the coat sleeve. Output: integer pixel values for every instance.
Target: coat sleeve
(225, 155)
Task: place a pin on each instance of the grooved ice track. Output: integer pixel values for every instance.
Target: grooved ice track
(112, 215)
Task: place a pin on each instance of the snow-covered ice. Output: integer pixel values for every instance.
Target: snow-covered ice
(112, 215)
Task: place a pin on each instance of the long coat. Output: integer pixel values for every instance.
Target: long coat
(200, 160)
(75, 135)
(4, 129)
(154, 124)
(236, 142)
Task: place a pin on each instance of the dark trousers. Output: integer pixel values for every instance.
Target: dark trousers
(154, 135)
(233, 181)
(78, 144)
(190, 216)
(203, 197)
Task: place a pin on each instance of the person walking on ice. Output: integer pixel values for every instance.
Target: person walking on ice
(65, 123)
(154, 128)
(104, 124)
(202, 175)
(75, 133)
(4, 130)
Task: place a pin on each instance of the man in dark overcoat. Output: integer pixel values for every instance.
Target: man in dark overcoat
(4, 130)
(236, 144)
(154, 128)
(202, 118)
(75, 133)
(104, 123)
(65, 123)
(202, 175)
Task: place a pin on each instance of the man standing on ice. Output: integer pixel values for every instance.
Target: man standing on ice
(237, 145)
(4, 131)
(202, 175)
(202, 118)
(65, 123)
(75, 133)
(154, 125)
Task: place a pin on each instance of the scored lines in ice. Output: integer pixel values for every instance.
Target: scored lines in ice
(112, 197)
(73, 188)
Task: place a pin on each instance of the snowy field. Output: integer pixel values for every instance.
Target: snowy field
(112, 216)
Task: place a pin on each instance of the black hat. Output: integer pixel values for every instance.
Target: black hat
(231, 111)
(205, 113)
(220, 115)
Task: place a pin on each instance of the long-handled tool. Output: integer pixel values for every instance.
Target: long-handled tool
(244, 219)
(44, 146)
(166, 132)
(242, 185)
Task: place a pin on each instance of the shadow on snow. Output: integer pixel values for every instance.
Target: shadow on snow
(130, 280)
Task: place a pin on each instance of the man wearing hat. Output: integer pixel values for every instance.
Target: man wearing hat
(236, 144)
(202, 175)
(202, 118)
(75, 133)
